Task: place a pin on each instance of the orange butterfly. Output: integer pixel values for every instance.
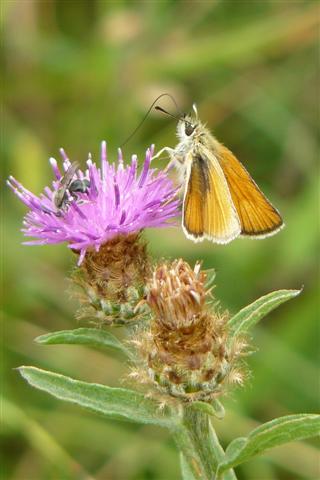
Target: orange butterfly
(221, 200)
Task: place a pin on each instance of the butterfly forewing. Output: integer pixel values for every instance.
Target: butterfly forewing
(208, 209)
(257, 216)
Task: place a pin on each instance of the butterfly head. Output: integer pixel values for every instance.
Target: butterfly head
(188, 125)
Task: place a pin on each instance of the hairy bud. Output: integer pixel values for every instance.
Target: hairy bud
(185, 351)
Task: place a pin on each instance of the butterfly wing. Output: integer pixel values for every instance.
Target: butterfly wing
(208, 211)
(257, 216)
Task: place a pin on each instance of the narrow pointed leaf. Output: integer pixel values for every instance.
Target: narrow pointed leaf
(204, 407)
(214, 408)
(92, 337)
(271, 434)
(218, 408)
(117, 403)
(249, 316)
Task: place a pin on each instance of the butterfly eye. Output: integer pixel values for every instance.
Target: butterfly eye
(189, 129)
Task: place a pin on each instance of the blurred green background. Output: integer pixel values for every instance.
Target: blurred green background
(77, 72)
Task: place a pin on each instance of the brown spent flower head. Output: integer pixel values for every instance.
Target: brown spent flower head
(177, 294)
(185, 350)
(113, 280)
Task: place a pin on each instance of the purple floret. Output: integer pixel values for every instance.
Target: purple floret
(117, 201)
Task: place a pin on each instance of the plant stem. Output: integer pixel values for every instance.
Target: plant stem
(199, 444)
(189, 454)
(197, 424)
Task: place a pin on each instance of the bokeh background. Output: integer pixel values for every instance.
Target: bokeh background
(79, 71)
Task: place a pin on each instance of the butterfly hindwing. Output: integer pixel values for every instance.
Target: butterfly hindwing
(257, 216)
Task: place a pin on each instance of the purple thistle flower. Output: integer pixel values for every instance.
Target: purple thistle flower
(116, 201)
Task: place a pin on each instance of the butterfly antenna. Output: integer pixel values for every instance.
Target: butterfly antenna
(148, 113)
(173, 116)
(167, 113)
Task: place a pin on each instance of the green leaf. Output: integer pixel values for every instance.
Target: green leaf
(218, 408)
(249, 316)
(118, 403)
(271, 434)
(92, 337)
(214, 408)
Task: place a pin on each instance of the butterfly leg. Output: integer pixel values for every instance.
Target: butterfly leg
(169, 150)
(172, 154)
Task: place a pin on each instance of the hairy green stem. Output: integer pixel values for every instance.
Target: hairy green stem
(189, 455)
(199, 445)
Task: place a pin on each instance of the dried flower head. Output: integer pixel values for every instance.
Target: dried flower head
(185, 351)
(89, 208)
(177, 294)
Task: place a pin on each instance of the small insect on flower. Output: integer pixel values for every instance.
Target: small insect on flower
(89, 208)
(68, 188)
(221, 200)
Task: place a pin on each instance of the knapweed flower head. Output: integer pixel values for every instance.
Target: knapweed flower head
(185, 350)
(97, 204)
(100, 213)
